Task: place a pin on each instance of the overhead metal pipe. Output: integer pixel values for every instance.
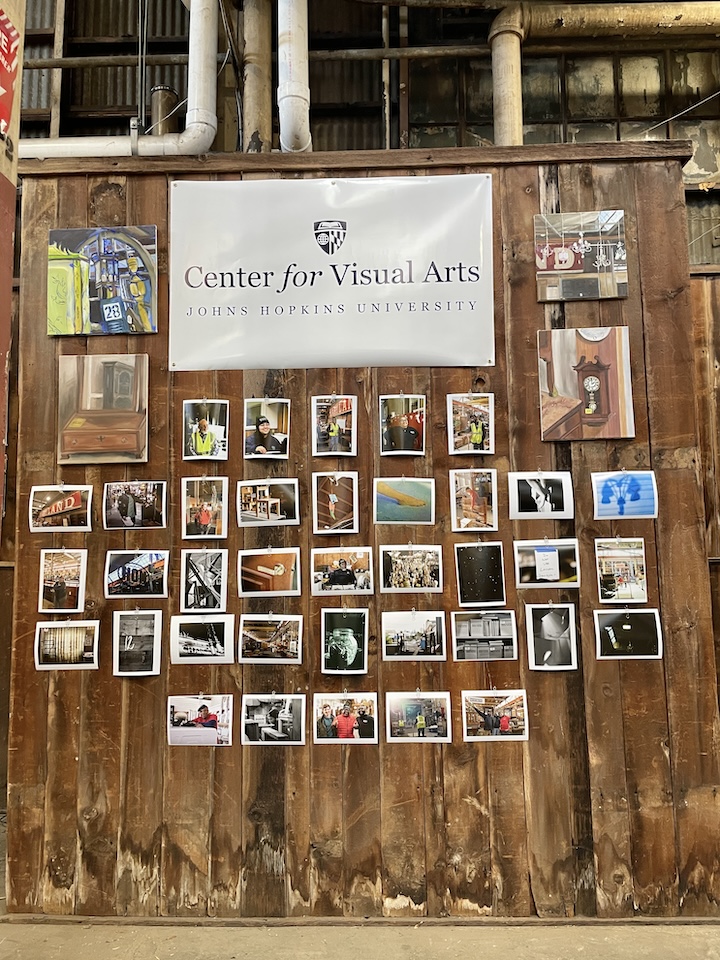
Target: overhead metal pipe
(293, 92)
(257, 76)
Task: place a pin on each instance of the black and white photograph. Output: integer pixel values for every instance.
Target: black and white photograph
(539, 495)
(270, 638)
(413, 635)
(200, 720)
(471, 423)
(418, 717)
(551, 636)
(268, 503)
(628, 634)
(205, 429)
(135, 504)
(494, 715)
(346, 717)
(411, 568)
(335, 503)
(203, 638)
(347, 570)
(62, 580)
(621, 570)
(71, 645)
(473, 500)
(484, 635)
(60, 507)
(344, 635)
(273, 718)
(273, 572)
(547, 563)
(267, 428)
(334, 423)
(624, 494)
(408, 500)
(137, 636)
(136, 573)
(203, 580)
(402, 424)
(204, 507)
(480, 571)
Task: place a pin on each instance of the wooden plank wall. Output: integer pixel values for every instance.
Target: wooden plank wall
(611, 808)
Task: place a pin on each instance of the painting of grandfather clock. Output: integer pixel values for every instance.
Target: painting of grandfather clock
(594, 390)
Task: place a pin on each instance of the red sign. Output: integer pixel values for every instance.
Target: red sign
(70, 502)
(9, 45)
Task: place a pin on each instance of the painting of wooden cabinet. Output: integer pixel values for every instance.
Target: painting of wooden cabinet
(102, 409)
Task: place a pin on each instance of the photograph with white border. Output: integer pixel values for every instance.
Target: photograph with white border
(135, 504)
(202, 638)
(539, 494)
(346, 570)
(411, 568)
(480, 574)
(409, 500)
(483, 635)
(267, 428)
(402, 424)
(473, 500)
(60, 507)
(547, 563)
(624, 494)
(205, 429)
(621, 570)
(334, 426)
(471, 423)
(204, 508)
(270, 638)
(551, 636)
(413, 635)
(418, 717)
(136, 574)
(273, 719)
(494, 715)
(203, 580)
(272, 572)
(628, 634)
(62, 580)
(268, 503)
(345, 718)
(200, 720)
(67, 645)
(335, 503)
(344, 635)
(137, 638)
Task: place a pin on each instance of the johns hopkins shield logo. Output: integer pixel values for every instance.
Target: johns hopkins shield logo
(330, 234)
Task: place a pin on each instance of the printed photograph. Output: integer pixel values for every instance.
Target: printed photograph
(585, 384)
(205, 429)
(621, 571)
(622, 494)
(580, 256)
(347, 570)
(403, 500)
(335, 503)
(480, 572)
(546, 563)
(205, 507)
(551, 636)
(267, 428)
(203, 580)
(204, 638)
(274, 572)
(277, 718)
(60, 507)
(136, 573)
(494, 713)
(137, 504)
(628, 634)
(402, 424)
(411, 569)
(471, 423)
(539, 494)
(484, 635)
(62, 580)
(268, 503)
(335, 433)
(344, 640)
(473, 500)
(137, 638)
(102, 408)
(417, 717)
(350, 716)
(200, 720)
(67, 646)
(413, 635)
(273, 638)
(101, 281)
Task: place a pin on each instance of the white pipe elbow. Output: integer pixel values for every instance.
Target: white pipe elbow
(294, 113)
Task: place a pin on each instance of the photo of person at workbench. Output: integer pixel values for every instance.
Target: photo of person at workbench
(268, 503)
(276, 718)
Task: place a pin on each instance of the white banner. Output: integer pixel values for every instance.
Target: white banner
(331, 273)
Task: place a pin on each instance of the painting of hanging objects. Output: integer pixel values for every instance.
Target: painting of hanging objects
(581, 256)
(102, 280)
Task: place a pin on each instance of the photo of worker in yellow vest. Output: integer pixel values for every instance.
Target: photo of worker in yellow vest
(470, 419)
(205, 425)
